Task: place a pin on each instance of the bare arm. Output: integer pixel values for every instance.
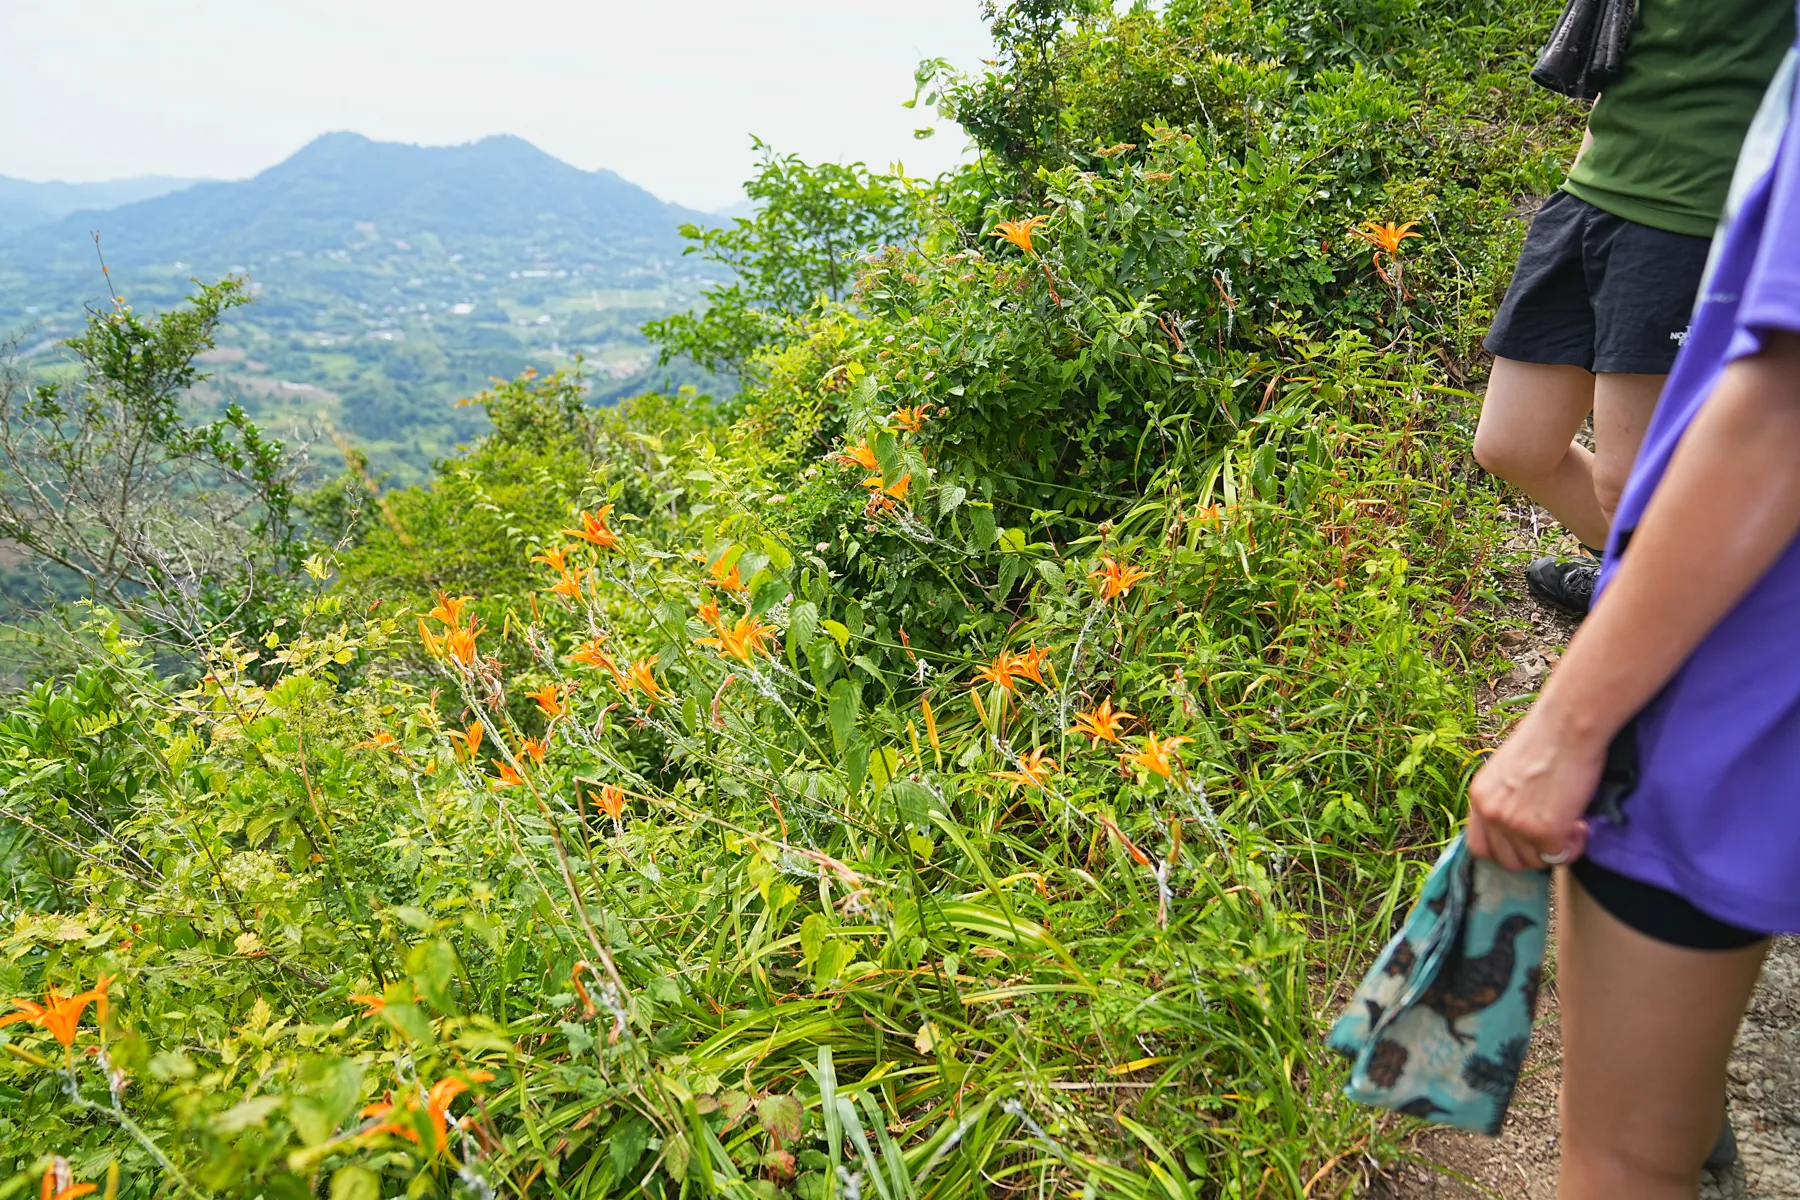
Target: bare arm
(1587, 139)
(1727, 508)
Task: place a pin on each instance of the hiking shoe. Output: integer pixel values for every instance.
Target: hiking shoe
(1724, 1151)
(1565, 584)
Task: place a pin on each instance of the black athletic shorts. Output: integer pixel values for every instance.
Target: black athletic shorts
(1598, 292)
(1658, 913)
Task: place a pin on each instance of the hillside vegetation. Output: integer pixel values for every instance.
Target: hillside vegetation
(973, 761)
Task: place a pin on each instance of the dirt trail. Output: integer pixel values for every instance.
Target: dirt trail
(1521, 1163)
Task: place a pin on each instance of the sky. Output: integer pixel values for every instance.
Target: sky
(665, 92)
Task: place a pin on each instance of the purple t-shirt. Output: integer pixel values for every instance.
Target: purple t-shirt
(1715, 816)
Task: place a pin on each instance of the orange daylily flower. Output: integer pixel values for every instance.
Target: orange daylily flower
(469, 741)
(743, 641)
(726, 578)
(1006, 665)
(437, 1109)
(60, 1015)
(911, 419)
(642, 677)
(382, 740)
(59, 1182)
(1101, 724)
(1386, 237)
(1032, 770)
(1019, 232)
(591, 654)
(508, 776)
(611, 800)
(549, 700)
(568, 586)
(535, 749)
(1030, 663)
(860, 455)
(461, 642)
(898, 489)
(594, 529)
(1155, 754)
(434, 645)
(709, 614)
(556, 558)
(1116, 580)
(372, 1004)
(449, 609)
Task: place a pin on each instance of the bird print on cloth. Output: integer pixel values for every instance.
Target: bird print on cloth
(1440, 1026)
(1467, 985)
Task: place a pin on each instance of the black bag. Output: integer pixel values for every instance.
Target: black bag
(1587, 49)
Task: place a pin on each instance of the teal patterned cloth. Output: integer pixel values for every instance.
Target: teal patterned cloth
(1440, 1026)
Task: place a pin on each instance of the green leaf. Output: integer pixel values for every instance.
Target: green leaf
(779, 556)
(887, 453)
(856, 762)
(803, 623)
(317, 1113)
(843, 711)
(355, 1183)
(418, 918)
(839, 632)
(834, 956)
(981, 517)
(1050, 572)
(912, 803)
(410, 1020)
(626, 1144)
(884, 764)
(950, 499)
(815, 931)
(768, 591)
(432, 965)
(245, 1114)
(782, 1116)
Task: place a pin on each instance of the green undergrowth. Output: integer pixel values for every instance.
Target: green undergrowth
(754, 826)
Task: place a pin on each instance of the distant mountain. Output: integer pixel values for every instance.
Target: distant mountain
(389, 280)
(24, 204)
(745, 208)
(343, 188)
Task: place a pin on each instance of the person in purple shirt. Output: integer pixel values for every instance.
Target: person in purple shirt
(1662, 758)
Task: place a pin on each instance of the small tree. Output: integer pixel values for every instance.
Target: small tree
(813, 222)
(180, 524)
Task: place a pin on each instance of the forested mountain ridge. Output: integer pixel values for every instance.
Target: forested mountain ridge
(390, 280)
(338, 185)
(25, 203)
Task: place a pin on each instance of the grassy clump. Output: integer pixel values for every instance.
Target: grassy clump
(739, 833)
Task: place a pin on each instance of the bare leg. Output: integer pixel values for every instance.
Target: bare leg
(1646, 1032)
(1622, 408)
(1527, 437)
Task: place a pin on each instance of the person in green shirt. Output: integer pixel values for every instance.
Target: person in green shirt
(1600, 300)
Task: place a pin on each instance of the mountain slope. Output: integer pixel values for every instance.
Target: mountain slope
(343, 187)
(389, 281)
(24, 204)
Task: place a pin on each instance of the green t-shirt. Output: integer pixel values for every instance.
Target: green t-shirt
(1667, 131)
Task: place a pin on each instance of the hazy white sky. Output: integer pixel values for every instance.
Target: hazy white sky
(665, 92)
